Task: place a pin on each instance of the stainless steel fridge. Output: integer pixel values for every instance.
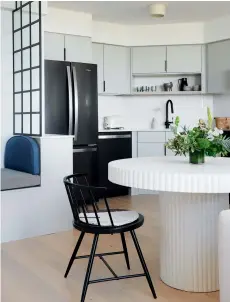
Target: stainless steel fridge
(71, 108)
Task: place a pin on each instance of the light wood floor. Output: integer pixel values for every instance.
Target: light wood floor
(33, 269)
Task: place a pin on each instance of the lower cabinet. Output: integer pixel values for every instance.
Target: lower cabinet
(169, 135)
(150, 149)
(150, 144)
(169, 152)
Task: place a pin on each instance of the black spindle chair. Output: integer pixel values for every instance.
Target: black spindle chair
(89, 219)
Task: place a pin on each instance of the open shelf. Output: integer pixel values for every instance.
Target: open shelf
(164, 93)
(166, 74)
(155, 83)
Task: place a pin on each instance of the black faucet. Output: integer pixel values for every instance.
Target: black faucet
(167, 123)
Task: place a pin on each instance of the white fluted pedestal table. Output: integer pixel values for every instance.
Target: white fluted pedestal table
(191, 198)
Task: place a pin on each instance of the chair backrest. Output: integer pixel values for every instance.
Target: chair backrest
(83, 201)
(22, 153)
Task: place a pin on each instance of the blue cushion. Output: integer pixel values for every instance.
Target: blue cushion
(22, 154)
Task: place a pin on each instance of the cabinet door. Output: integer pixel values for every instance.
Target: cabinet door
(169, 152)
(151, 149)
(78, 49)
(148, 59)
(218, 67)
(151, 137)
(54, 46)
(97, 53)
(117, 69)
(184, 58)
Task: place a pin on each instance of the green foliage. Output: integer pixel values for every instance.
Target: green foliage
(200, 138)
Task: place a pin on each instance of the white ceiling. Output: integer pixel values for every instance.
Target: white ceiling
(136, 12)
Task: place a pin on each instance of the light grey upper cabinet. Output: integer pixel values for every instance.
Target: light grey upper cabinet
(184, 58)
(116, 69)
(218, 67)
(148, 59)
(98, 58)
(78, 49)
(54, 46)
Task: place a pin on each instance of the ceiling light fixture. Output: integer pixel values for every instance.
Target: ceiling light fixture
(157, 10)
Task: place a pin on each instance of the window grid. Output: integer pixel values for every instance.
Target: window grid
(20, 114)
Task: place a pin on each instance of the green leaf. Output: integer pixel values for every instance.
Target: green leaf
(226, 144)
(203, 143)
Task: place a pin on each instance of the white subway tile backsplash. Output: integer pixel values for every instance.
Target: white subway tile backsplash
(138, 111)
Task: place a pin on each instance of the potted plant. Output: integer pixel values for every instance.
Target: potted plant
(198, 141)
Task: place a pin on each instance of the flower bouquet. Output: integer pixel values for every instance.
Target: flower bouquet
(199, 141)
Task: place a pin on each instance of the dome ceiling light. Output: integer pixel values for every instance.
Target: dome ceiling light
(157, 10)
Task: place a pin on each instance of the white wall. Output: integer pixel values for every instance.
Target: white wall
(68, 22)
(137, 112)
(218, 29)
(6, 79)
(37, 211)
(111, 33)
(164, 34)
(77, 23)
(167, 34)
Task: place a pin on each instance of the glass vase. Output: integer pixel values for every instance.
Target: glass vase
(196, 157)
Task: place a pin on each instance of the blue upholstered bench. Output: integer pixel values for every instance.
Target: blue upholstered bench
(22, 164)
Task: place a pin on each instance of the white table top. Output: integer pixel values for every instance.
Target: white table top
(172, 174)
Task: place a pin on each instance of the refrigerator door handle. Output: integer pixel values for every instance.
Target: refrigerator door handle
(70, 129)
(75, 102)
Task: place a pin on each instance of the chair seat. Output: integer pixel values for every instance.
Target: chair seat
(120, 218)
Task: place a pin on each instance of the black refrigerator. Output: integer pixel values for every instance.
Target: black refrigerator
(71, 108)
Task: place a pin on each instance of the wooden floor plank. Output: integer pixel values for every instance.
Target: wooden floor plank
(33, 269)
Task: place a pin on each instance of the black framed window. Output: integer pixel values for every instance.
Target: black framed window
(27, 68)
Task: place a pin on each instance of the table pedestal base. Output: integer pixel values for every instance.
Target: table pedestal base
(189, 240)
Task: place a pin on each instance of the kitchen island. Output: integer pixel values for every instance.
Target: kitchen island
(191, 198)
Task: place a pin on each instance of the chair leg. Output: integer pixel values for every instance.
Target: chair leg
(74, 254)
(89, 268)
(142, 260)
(125, 250)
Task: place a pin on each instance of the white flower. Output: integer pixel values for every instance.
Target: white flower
(210, 137)
(217, 132)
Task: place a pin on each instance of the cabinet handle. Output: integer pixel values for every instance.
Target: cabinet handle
(165, 65)
(64, 54)
(103, 86)
(114, 136)
(165, 150)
